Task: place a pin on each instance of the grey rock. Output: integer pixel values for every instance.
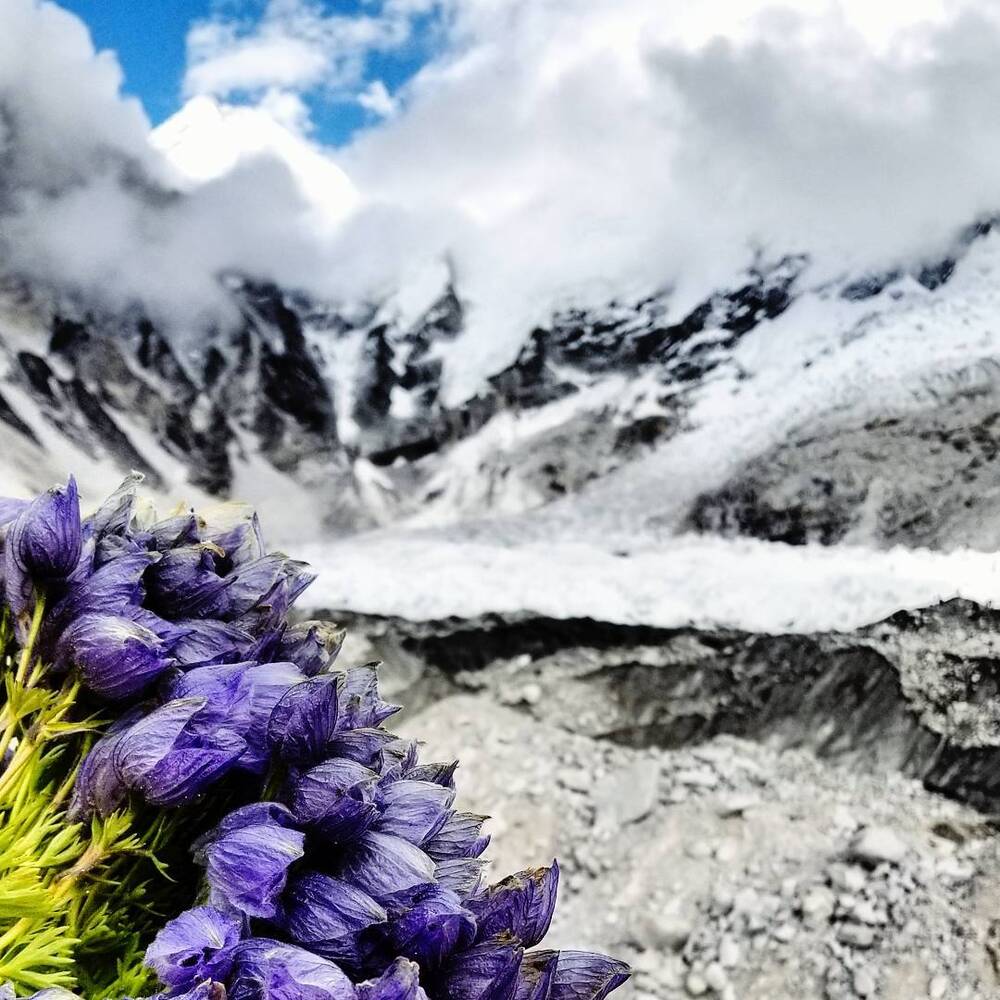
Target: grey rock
(876, 845)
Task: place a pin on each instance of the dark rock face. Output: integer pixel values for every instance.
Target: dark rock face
(112, 385)
(309, 390)
(918, 693)
(930, 479)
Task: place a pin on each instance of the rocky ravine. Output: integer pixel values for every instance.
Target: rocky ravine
(746, 817)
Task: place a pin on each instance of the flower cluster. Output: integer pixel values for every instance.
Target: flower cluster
(343, 870)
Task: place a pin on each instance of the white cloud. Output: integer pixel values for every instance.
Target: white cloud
(377, 99)
(592, 148)
(295, 45)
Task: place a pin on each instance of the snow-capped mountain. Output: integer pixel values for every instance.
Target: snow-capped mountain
(859, 410)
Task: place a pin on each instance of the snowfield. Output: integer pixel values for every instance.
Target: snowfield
(688, 580)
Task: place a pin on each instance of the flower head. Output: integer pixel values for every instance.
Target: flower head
(117, 657)
(248, 856)
(195, 946)
(43, 545)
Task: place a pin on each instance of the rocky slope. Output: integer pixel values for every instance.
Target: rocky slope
(785, 407)
(743, 816)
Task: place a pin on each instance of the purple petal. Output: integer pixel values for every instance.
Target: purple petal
(463, 876)
(183, 582)
(486, 971)
(582, 975)
(247, 867)
(301, 726)
(98, 787)
(270, 970)
(434, 927)
(209, 641)
(10, 508)
(414, 810)
(117, 658)
(461, 836)
(387, 868)
(361, 706)
(312, 645)
(328, 915)
(401, 981)
(196, 945)
(439, 774)
(521, 906)
(534, 978)
(340, 798)
(267, 684)
(362, 745)
(167, 759)
(43, 544)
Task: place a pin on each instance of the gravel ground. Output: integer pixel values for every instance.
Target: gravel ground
(731, 869)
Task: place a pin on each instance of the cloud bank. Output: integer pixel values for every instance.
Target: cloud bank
(551, 149)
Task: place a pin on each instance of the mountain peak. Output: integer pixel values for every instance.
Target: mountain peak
(208, 139)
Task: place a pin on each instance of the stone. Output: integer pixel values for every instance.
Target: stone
(729, 953)
(849, 878)
(727, 852)
(531, 694)
(695, 985)
(626, 795)
(876, 845)
(818, 904)
(666, 931)
(784, 932)
(937, 988)
(715, 977)
(864, 983)
(736, 804)
(697, 778)
(855, 935)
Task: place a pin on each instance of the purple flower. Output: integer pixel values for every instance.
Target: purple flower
(486, 971)
(463, 876)
(169, 759)
(209, 641)
(329, 916)
(113, 589)
(43, 545)
(205, 990)
(339, 799)
(98, 788)
(431, 929)
(520, 906)
(439, 774)
(182, 581)
(187, 583)
(401, 981)
(116, 657)
(388, 868)
(270, 970)
(196, 945)
(240, 698)
(361, 705)
(312, 645)
(569, 975)
(364, 746)
(414, 810)
(10, 508)
(235, 529)
(459, 837)
(248, 857)
(301, 726)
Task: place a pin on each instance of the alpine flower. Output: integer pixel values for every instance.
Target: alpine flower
(199, 802)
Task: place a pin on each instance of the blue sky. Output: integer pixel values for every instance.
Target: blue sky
(150, 40)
